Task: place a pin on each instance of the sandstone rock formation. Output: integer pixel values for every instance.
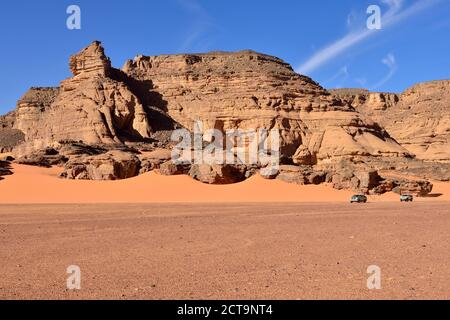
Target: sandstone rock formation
(249, 90)
(9, 137)
(243, 90)
(218, 174)
(113, 165)
(43, 158)
(7, 121)
(153, 160)
(418, 188)
(105, 123)
(91, 107)
(169, 168)
(419, 118)
(5, 168)
(362, 99)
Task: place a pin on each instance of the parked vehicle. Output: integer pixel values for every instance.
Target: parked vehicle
(406, 198)
(359, 198)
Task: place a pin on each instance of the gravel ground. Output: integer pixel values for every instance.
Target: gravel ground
(229, 251)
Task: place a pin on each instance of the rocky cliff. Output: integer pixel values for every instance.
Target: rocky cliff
(103, 122)
(91, 106)
(242, 90)
(249, 90)
(419, 118)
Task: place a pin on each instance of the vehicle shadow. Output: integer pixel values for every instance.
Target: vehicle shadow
(434, 195)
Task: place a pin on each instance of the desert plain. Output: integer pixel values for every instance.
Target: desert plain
(216, 242)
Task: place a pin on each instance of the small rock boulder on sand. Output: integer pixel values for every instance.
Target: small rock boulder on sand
(418, 188)
(361, 181)
(170, 168)
(154, 159)
(43, 158)
(113, 165)
(293, 174)
(218, 174)
(5, 167)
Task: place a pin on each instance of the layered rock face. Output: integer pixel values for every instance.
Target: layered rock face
(7, 121)
(32, 116)
(419, 118)
(107, 124)
(91, 107)
(249, 90)
(9, 137)
(364, 100)
(421, 121)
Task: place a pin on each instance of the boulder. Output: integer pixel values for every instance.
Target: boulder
(218, 174)
(170, 168)
(70, 148)
(367, 180)
(418, 188)
(43, 158)
(317, 177)
(358, 180)
(303, 156)
(153, 159)
(5, 168)
(292, 174)
(112, 165)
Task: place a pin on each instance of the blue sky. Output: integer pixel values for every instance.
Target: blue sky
(326, 39)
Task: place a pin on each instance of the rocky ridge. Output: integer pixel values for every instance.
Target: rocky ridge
(107, 124)
(419, 118)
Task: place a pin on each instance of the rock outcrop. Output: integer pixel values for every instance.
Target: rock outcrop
(9, 137)
(105, 124)
(91, 106)
(8, 120)
(5, 168)
(249, 90)
(218, 174)
(113, 165)
(367, 101)
(47, 157)
(419, 118)
(418, 188)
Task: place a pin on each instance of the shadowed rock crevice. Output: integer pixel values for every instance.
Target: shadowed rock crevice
(154, 104)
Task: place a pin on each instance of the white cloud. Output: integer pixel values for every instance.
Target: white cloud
(202, 26)
(393, 15)
(361, 81)
(352, 18)
(391, 63)
(342, 74)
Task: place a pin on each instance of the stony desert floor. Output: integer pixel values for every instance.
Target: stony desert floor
(155, 237)
(226, 251)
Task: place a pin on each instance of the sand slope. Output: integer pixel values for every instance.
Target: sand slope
(42, 185)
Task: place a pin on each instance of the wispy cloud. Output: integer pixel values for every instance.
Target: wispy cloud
(201, 26)
(341, 75)
(391, 63)
(393, 15)
(361, 81)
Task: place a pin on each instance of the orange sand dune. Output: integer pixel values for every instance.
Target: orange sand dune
(42, 185)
